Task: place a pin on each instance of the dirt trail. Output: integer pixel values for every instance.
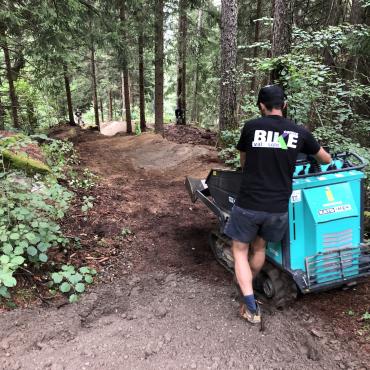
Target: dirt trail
(163, 302)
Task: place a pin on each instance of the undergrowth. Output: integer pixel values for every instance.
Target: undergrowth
(31, 208)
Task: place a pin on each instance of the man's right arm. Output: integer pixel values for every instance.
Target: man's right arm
(322, 156)
(312, 147)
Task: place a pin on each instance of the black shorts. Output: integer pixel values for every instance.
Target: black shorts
(245, 224)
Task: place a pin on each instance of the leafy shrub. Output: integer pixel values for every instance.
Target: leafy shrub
(229, 154)
(87, 203)
(60, 155)
(86, 180)
(29, 211)
(71, 281)
(319, 97)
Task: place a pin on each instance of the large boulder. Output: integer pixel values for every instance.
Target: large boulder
(19, 152)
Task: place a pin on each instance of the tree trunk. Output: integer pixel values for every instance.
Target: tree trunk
(101, 110)
(32, 120)
(94, 86)
(229, 16)
(282, 28)
(256, 39)
(126, 86)
(68, 95)
(357, 12)
(2, 111)
(356, 17)
(181, 69)
(281, 32)
(141, 79)
(2, 116)
(159, 56)
(194, 110)
(12, 93)
(113, 107)
(110, 106)
(335, 13)
(123, 97)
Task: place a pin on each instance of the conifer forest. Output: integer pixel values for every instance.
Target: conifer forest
(106, 108)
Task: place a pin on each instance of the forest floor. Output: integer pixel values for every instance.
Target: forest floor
(162, 301)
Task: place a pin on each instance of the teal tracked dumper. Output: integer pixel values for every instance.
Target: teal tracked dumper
(323, 247)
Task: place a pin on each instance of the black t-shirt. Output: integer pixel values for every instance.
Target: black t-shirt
(272, 144)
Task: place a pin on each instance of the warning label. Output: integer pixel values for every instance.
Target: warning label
(296, 196)
(338, 209)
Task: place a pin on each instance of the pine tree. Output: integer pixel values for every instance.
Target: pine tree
(229, 15)
(141, 79)
(282, 28)
(9, 74)
(159, 56)
(181, 66)
(126, 86)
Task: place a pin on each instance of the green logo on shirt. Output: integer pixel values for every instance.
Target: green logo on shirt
(282, 142)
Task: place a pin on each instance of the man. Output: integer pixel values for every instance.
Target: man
(179, 113)
(268, 147)
(78, 114)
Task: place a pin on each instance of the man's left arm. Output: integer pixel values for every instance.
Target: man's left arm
(243, 156)
(242, 146)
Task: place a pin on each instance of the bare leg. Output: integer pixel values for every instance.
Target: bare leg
(257, 258)
(242, 269)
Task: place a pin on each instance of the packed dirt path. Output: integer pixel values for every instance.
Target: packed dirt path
(162, 301)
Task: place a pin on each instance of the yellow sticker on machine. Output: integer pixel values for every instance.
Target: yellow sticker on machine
(214, 173)
(329, 194)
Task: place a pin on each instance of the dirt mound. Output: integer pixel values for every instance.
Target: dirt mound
(148, 152)
(112, 128)
(65, 132)
(190, 135)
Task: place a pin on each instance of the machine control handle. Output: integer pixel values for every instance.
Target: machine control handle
(347, 165)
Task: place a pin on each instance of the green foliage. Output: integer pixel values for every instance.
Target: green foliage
(320, 97)
(339, 142)
(87, 203)
(12, 155)
(137, 128)
(60, 156)
(29, 211)
(126, 231)
(350, 313)
(229, 154)
(71, 281)
(86, 180)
